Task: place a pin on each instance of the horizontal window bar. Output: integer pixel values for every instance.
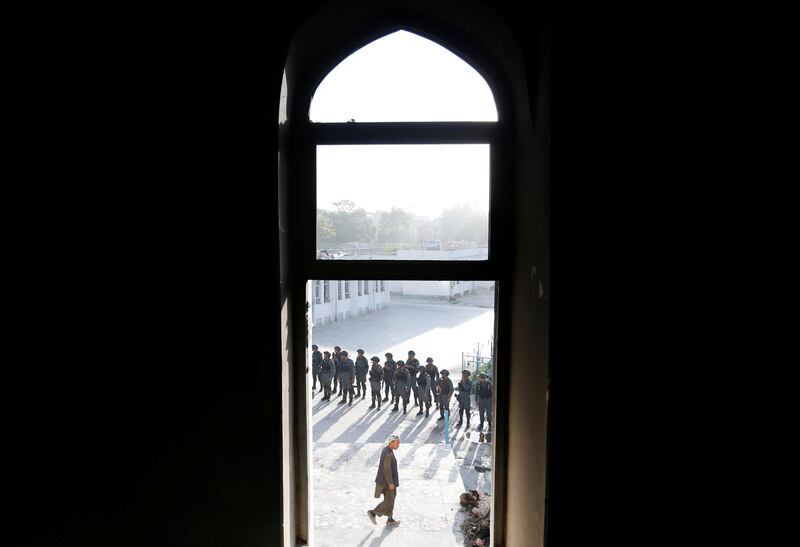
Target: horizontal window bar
(403, 132)
(406, 269)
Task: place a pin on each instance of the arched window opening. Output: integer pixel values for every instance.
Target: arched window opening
(402, 134)
(427, 198)
(403, 77)
(370, 152)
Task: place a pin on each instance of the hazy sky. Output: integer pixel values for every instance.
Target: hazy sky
(419, 179)
(403, 77)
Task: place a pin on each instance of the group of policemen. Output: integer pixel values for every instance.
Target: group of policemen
(401, 380)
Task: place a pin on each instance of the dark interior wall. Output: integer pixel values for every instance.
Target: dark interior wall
(147, 410)
(530, 307)
(152, 415)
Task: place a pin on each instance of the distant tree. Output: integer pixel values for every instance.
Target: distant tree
(393, 226)
(427, 231)
(463, 222)
(325, 232)
(351, 224)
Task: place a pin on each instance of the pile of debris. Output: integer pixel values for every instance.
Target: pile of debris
(476, 525)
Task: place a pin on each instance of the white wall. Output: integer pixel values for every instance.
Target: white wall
(340, 310)
(434, 288)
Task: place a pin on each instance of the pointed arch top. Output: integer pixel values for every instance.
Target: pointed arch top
(403, 77)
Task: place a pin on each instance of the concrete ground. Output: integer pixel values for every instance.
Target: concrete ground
(348, 439)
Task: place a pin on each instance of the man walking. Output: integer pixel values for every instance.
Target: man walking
(386, 483)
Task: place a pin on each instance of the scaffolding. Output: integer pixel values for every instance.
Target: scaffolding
(480, 360)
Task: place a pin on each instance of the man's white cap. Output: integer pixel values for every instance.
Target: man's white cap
(393, 438)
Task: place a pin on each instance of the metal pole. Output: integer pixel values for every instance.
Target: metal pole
(447, 426)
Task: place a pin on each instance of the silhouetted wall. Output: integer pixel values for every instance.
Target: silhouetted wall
(146, 411)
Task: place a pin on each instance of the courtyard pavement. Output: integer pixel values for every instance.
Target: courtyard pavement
(348, 439)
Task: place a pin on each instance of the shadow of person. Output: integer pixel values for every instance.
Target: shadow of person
(364, 540)
(384, 534)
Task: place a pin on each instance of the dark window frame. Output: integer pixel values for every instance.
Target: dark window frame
(303, 138)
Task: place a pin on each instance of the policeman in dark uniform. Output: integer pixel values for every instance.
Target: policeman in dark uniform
(444, 388)
(483, 393)
(316, 363)
(336, 362)
(389, 367)
(464, 397)
(375, 379)
(413, 372)
(325, 376)
(347, 377)
(402, 383)
(433, 373)
(362, 368)
(412, 365)
(424, 385)
(347, 371)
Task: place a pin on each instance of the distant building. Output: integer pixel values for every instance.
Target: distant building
(430, 249)
(438, 289)
(471, 253)
(336, 300)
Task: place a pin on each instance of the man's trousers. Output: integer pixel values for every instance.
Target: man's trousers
(386, 507)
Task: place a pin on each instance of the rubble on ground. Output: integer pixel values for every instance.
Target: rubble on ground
(476, 525)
